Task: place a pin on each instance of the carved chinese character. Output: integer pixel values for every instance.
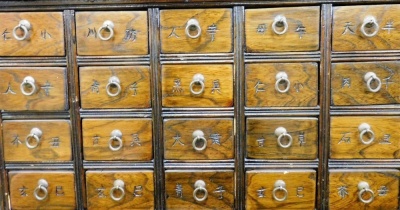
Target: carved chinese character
(302, 139)
(261, 28)
(347, 28)
(22, 191)
(173, 33)
(59, 191)
(388, 80)
(346, 82)
(383, 191)
(133, 87)
(259, 87)
(301, 30)
(9, 90)
(95, 86)
(100, 192)
(16, 141)
(55, 142)
(177, 139)
(345, 139)
(212, 30)
(216, 87)
(215, 137)
(389, 26)
(299, 192)
(96, 140)
(44, 34)
(135, 140)
(130, 34)
(177, 86)
(4, 34)
(342, 191)
(385, 139)
(47, 86)
(261, 141)
(261, 192)
(179, 191)
(298, 86)
(138, 191)
(220, 191)
(92, 32)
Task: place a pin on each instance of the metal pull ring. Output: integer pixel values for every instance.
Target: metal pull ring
(280, 21)
(41, 189)
(200, 188)
(191, 26)
(109, 25)
(282, 77)
(35, 135)
(370, 78)
(198, 79)
(118, 186)
(280, 185)
(281, 133)
(28, 86)
(199, 142)
(365, 130)
(369, 22)
(363, 188)
(25, 26)
(113, 82)
(116, 135)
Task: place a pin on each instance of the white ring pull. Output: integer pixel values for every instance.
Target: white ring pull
(365, 130)
(41, 188)
(25, 26)
(280, 185)
(198, 79)
(282, 77)
(198, 136)
(371, 77)
(193, 25)
(363, 187)
(109, 25)
(113, 82)
(281, 133)
(116, 135)
(28, 82)
(369, 22)
(280, 21)
(35, 135)
(200, 187)
(118, 186)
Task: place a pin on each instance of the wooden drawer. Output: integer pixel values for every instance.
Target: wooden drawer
(367, 27)
(33, 88)
(196, 31)
(32, 34)
(346, 186)
(281, 189)
(199, 189)
(37, 140)
(282, 84)
(117, 139)
(282, 138)
(197, 85)
(28, 190)
(198, 139)
(112, 33)
(353, 84)
(115, 87)
(120, 190)
(282, 29)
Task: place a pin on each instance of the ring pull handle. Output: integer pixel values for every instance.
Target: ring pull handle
(280, 185)
(280, 21)
(199, 142)
(34, 135)
(363, 188)
(282, 77)
(369, 22)
(193, 25)
(28, 86)
(113, 82)
(370, 78)
(119, 185)
(200, 188)
(281, 133)
(25, 26)
(109, 25)
(198, 79)
(41, 189)
(116, 135)
(365, 130)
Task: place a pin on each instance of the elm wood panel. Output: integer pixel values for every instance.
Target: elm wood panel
(260, 85)
(345, 182)
(214, 180)
(130, 33)
(354, 91)
(61, 189)
(136, 139)
(300, 186)
(175, 40)
(104, 181)
(292, 40)
(134, 82)
(55, 142)
(47, 79)
(175, 97)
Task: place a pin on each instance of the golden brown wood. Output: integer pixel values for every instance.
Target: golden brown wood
(50, 92)
(300, 186)
(262, 142)
(134, 82)
(61, 190)
(139, 190)
(349, 180)
(130, 33)
(174, 39)
(261, 79)
(298, 19)
(136, 139)
(349, 87)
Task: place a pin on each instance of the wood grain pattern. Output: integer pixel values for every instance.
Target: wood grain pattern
(174, 39)
(264, 128)
(268, 41)
(357, 93)
(104, 180)
(11, 97)
(375, 178)
(171, 97)
(61, 198)
(134, 81)
(260, 85)
(124, 41)
(300, 184)
(97, 132)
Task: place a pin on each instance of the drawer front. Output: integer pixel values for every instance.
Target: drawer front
(196, 31)
(42, 190)
(198, 139)
(42, 140)
(365, 83)
(282, 84)
(197, 85)
(120, 190)
(281, 189)
(115, 87)
(37, 89)
(32, 34)
(368, 27)
(112, 33)
(363, 189)
(282, 29)
(199, 189)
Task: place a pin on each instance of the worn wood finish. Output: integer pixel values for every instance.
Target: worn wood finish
(349, 179)
(61, 189)
(50, 94)
(136, 138)
(174, 38)
(139, 190)
(349, 87)
(134, 82)
(261, 79)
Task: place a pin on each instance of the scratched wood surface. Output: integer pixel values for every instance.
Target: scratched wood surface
(47, 79)
(23, 184)
(347, 22)
(130, 33)
(349, 87)
(175, 40)
(260, 85)
(340, 179)
(300, 184)
(102, 182)
(134, 82)
(258, 41)
(216, 181)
